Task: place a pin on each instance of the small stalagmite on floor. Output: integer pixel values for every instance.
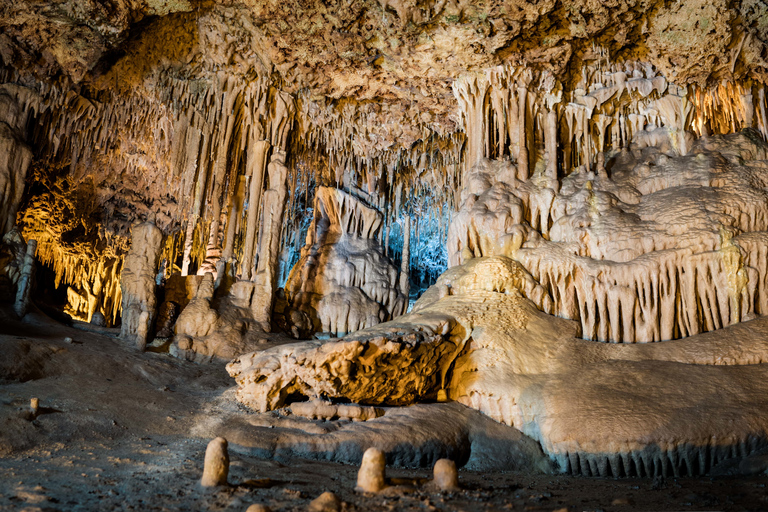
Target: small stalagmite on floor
(216, 468)
(326, 502)
(370, 478)
(446, 477)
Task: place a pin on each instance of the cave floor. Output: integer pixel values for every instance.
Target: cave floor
(121, 430)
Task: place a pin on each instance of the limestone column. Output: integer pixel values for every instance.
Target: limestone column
(24, 289)
(137, 282)
(235, 206)
(257, 157)
(405, 265)
(522, 98)
(273, 211)
(269, 250)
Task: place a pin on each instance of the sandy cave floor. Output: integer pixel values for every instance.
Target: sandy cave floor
(120, 430)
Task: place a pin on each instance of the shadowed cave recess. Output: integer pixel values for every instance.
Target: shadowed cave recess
(542, 226)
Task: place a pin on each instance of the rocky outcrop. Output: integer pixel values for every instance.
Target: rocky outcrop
(343, 282)
(394, 363)
(15, 153)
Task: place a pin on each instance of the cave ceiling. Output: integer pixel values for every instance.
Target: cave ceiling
(402, 52)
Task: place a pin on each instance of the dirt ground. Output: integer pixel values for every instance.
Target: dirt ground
(122, 430)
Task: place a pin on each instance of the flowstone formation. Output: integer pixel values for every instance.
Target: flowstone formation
(597, 409)
(343, 282)
(659, 248)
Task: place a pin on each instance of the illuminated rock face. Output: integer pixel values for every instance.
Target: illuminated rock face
(395, 363)
(343, 282)
(595, 197)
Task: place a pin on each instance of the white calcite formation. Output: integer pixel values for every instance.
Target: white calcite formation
(663, 247)
(343, 282)
(370, 477)
(137, 282)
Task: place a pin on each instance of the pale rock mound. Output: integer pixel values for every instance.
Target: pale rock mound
(343, 282)
(396, 363)
(211, 329)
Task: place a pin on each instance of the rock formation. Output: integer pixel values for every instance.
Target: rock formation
(138, 283)
(343, 282)
(370, 478)
(216, 468)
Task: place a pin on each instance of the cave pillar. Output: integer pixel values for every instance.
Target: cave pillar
(761, 104)
(405, 265)
(137, 282)
(257, 158)
(24, 289)
(523, 172)
(235, 206)
(265, 278)
(197, 206)
(273, 212)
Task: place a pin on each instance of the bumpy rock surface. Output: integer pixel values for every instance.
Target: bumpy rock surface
(396, 363)
(597, 409)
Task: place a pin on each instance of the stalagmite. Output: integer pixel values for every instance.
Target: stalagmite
(26, 280)
(326, 502)
(216, 469)
(446, 478)
(370, 477)
(137, 283)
